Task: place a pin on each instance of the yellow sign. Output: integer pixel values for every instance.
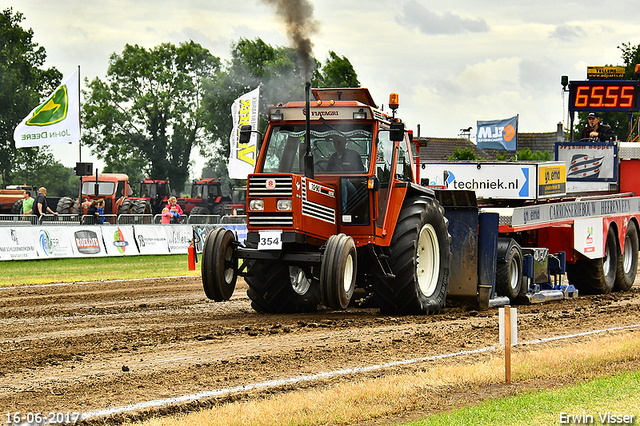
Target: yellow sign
(552, 179)
(605, 72)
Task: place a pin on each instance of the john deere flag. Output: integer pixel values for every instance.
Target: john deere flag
(56, 120)
(242, 157)
(498, 134)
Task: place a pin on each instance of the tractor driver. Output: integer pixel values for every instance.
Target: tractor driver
(595, 130)
(344, 159)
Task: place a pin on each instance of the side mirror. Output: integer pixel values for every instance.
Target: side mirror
(396, 131)
(245, 133)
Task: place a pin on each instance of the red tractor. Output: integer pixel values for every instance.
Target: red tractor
(333, 209)
(153, 196)
(206, 198)
(114, 188)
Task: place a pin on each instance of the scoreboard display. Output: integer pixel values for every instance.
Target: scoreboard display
(604, 95)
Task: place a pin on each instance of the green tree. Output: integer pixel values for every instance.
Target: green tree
(338, 72)
(148, 112)
(23, 84)
(466, 154)
(40, 168)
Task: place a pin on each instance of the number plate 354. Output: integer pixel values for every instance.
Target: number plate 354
(270, 240)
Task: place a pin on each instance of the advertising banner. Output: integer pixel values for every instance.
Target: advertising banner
(119, 240)
(498, 134)
(54, 242)
(178, 238)
(488, 180)
(242, 157)
(589, 161)
(151, 239)
(87, 241)
(18, 243)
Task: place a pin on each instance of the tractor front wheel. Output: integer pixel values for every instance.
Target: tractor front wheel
(219, 265)
(419, 257)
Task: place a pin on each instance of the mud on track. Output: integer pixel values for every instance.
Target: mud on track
(90, 346)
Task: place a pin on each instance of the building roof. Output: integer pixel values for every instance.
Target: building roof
(440, 149)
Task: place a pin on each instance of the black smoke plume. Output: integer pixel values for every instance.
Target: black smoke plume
(298, 18)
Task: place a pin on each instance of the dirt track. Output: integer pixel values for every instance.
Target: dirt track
(91, 346)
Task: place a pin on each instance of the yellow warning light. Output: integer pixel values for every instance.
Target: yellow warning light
(394, 101)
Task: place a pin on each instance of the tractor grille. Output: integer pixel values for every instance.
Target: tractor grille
(258, 188)
(283, 186)
(266, 220)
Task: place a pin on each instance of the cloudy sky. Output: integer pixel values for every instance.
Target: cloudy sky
(452, 63)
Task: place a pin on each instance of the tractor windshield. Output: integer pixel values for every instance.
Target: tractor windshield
(337, 149)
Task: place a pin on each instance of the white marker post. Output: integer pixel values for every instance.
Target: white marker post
(508, 315)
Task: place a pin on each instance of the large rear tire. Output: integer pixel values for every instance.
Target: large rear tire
(65, 205)
(628, 261)
(141, 206)
(338, 272)
(509, 273)
(219, 265)
(277, 287)
(125, 206)
(16, 208)
(419, 257)
(596, 276)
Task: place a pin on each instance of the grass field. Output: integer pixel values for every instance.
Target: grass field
(93, 269)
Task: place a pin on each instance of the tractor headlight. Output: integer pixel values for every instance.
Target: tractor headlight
(284, 205)
(256, 205)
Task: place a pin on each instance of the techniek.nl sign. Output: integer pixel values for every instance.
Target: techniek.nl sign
(500, 181)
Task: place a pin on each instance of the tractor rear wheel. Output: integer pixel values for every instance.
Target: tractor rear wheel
(419, 257)
(125, 206)
(65, 205)
(338, 272)
(199, 210)
(628, 261)
(16, 208)
(276, 287)
(596, 276)
(141, 206)
(219, 265)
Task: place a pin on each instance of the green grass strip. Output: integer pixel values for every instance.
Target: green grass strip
(93, 269)
(588, 403)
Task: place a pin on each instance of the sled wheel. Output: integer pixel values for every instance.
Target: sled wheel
(628, 261)
(419, 257)
(596, 276)
(338, 271)
(509, 273)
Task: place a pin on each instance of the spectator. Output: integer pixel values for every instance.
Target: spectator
(27, 204)
(175, 210)
(166, 216)
(101, 211)
(41, 207)
(93, 216)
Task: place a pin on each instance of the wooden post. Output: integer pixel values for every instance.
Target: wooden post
(507, 344)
